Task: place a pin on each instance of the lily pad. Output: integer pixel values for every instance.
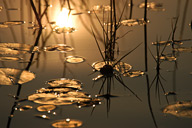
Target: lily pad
(45, 108)
(67, 123)
(11, 76)
(16, 48)
(133, 22)
(58, 47)
(74, 59)
(180, 109)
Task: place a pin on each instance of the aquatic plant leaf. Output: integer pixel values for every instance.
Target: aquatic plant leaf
(58, 99)
(16, 48)
(99, 9)
(13, 22)
(11, 76)
(3, 26)
(43, 116)
(183, 49)
(123, 67)
(90, 103)
(152, 6)
(133, 73)
(99, 64)
(180, 109)
(74, 59)
(160, 43)
(60, 30)
(64, 82)
(54, 90)
(133, 22)
(44, 108)
(24, 108)
(1, 8)
(58, 47)
(10, 58)
(170, 93)
(97, 77)
(167, 58)
(49, 98)
(67, 123)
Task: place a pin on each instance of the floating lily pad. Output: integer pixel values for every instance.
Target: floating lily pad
(97, 78)
(133, 22)
(60, 30)
(90, 103)
(54, 90)
(101, 8)
(10, 58)
(67, 123)
(3, 26)
(45, 108)
(58, 47)
(99, 64)
(1, 8)
(183, 49)
(24, 108)
(167, 58)
(120, 67)
(11, 76)
(43, 116)
(58, 99)
(13, 22)
(133, 73)
(152, 6)
(123, 67)
(180, 109)
(64, 82)
(16, 48)
(74, 59)
(160, 43)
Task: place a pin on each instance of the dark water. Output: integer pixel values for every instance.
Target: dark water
(125, 109)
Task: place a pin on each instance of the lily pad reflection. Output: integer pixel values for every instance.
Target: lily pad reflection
(67, 123)
(74, 59)
(16, 48)
(11, 76)
(13, 22)
(54, 90)
(180, 109)
(58, 47)
(3, 26)
(45, 108)
(64, 82)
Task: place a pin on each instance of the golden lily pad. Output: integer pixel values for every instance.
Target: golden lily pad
(67, 123)
(74, 59)
(11, 76)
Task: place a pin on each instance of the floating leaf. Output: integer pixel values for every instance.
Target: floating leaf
(16, 48)
(133, 22)
(11, 76)
(152, 6)
(10, 58)
(99, 64)
(134, 73)
(60, 30)
(13, 22)
(74, 59)
(170, 93)
(167, 58)
(180, 109)
(90, 103)
(64, 82)
(58, 47)
(44, 108)
(67, 123)
(24, 107)
(43, 116)
(122, 67)
(54, 90)
(98, 77)
(183, 49)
